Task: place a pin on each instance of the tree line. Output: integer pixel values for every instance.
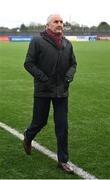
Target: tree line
(69, 29)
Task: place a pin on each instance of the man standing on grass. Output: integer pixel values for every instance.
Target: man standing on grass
(51, 61)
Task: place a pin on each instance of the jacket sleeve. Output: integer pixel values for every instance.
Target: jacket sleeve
(31, 62)
(72, 69)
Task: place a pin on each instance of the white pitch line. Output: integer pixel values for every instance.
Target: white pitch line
(79, 171)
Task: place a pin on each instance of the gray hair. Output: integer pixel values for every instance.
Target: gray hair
(50, 17)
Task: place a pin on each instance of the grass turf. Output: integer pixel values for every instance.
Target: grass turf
(89, 116)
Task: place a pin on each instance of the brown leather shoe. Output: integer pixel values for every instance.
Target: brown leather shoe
(27, 145)
(66, 167)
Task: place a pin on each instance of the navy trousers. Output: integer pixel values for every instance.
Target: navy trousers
(40, 116)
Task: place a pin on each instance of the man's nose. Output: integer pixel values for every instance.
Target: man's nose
(59, 23)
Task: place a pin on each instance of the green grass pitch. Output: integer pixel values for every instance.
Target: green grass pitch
(89, 114)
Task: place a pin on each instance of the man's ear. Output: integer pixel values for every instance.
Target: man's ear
(47, 26)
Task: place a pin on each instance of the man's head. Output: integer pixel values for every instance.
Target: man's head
(55, 24)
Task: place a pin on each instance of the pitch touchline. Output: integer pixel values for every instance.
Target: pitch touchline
(79, 171)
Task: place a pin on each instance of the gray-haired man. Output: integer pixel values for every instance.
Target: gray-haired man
(51, 61)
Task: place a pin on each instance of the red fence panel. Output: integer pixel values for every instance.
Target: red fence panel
(4, 39)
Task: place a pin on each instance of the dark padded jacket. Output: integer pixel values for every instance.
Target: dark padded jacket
(52, 68)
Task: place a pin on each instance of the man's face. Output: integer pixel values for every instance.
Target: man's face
(56, 24)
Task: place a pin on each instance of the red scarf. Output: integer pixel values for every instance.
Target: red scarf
(57, 38)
